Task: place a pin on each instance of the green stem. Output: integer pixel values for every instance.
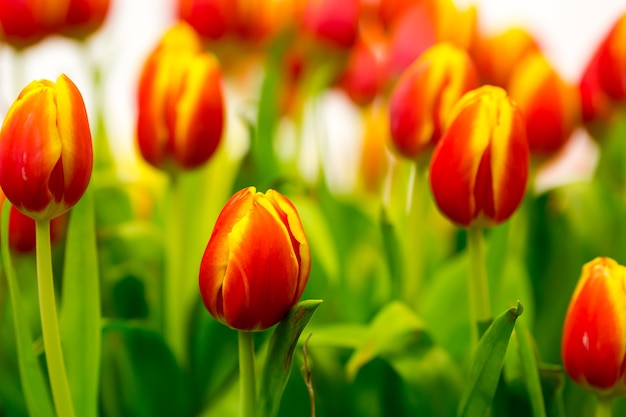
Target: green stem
(247, 378)
(603, 407)
(49, 323)
(478, 286)
(413, 268)
(174, 280)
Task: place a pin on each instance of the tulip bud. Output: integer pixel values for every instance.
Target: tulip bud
(550, 105)
(257, 261)
(594, 334)
(479, 168)
(612, 60)
(331, 22)
(180, 109)
(210, 18)
(24, 23)
(424, 95)
(45, 149)
(84, 17)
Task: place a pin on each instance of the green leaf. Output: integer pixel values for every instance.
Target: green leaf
(394, 329)
(34, 387)
(531, 369)
(80, 321)
(393, 252)
(140, 376)
(339, 335)
(486, 365)
(280, 355)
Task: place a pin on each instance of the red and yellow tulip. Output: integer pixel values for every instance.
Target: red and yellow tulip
(257, 261)
(594, 334)
(424, 96)
(551, 106)
(180, 107)
(45, 149)
(479, 168)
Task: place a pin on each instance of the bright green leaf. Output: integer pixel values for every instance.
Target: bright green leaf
(531, 369)
(34, 387)
(486, 365)
(280, 354)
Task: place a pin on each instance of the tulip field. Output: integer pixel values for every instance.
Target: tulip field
(355, 208)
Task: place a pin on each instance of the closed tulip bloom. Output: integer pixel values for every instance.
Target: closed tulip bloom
(479, 168)
(594, 333)
(25, 22)
(331, 22)
(84, 17)
(424, 96)
(180, 106)
(210, 18)
(257, 261)
(45, 149)
(551, 106)
(612, 60)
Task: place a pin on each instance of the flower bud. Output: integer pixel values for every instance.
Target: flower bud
(424, 95)
(479, 168)
(612, 60)
(45, 149)
(25, 22)
(84, 17)
(550, 105)
(257, 261)
(180, 110)
(594, 333)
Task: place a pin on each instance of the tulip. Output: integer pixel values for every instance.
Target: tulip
(210, 18)
(26, 22)
(550, 105)
(45, 149)
(594, 333)
(330, 22)
(180, 106)
(424, 96)
(84, 17)
(363, 75)
(612, 60)
(257, 261)
(479, 168)
(497, 56)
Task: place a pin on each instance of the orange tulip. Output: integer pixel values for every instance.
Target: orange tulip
(550, 105)
(45, 149)
(424, 96)
(479, 168)
(257, 261)
(594, 334)
(181, 107)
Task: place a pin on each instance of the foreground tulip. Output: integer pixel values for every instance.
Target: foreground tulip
(180, 108)
(479, 168)
(594, 334)
(45, 149)
(424, 96)
(257, 261)
(550, 105)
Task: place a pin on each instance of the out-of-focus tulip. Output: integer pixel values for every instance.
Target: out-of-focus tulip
(45, 149)
(422, 24)
(594, 334)
(596, 105)
(180, 106)
(331, 22)
(497, 56)
(363, 74)
(26, 22)
(210, 18)
(22, 230)
(479, 168)
(424, 96)
(84, 17)
(257, 261)
(550, 105)
(374, 152)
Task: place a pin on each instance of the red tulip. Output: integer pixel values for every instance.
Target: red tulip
(85, 17)
(257, 261)
(550, 105)
(594, 333)
(479, 168)
(331, 22)
(45, 149)
(25, 22)
(424, 96)
(181, 107)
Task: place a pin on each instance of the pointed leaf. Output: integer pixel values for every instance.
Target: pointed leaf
(486, 365)
(34, 387)
(80, 322)
(280, 354)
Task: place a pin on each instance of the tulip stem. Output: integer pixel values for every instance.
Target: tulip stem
(480, 310)
(247, 378)
(50, 324)
(603, 407)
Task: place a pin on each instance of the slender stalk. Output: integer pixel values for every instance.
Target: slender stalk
(174, 279)
(478, 286)
(50, 324)
(247, 377)
(413, 235)
(603, 407)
